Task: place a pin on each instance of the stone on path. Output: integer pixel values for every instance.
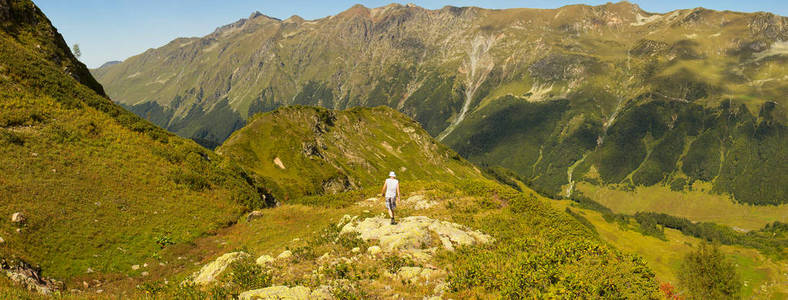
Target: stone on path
(209, 272)
(286, 293)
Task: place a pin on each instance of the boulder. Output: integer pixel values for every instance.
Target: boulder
(209, 272)
(418, 274)
(254, 215)
(18, 218)
(326, 256)
(135, 267)
(285, 254)
(283, 293)
(2, 241)
(374, 250)
(264, 260)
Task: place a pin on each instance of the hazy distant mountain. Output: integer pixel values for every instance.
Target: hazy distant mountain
(606, 94)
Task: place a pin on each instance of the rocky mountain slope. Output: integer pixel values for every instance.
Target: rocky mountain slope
(85, 185)
(299, 151)
(607, 94)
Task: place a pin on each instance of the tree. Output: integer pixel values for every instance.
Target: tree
(76, 51)
(707, 274)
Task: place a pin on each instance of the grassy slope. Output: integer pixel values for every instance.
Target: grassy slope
(695, 205)
(97, 184)
(763, 276)
(347, 149)
(539, 250)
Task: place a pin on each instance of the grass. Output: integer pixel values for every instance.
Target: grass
(696, 205)
(664, 256)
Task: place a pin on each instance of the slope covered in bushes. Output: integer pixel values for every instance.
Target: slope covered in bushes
(97, 185)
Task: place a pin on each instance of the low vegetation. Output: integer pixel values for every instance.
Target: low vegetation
(708, 274)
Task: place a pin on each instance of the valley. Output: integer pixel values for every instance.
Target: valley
(583, 152)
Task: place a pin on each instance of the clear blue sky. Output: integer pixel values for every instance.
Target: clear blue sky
(116, 29)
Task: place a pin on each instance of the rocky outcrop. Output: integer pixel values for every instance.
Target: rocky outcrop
(286, 293)
(416, 232)
(29, 277)
(209, 272)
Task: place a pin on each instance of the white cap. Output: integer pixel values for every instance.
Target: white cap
(391, 174)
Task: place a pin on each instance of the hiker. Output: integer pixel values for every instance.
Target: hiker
(390, 191)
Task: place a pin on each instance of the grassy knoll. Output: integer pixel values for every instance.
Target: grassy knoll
(301, 151)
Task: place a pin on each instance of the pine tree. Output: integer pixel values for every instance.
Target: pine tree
(76, 50)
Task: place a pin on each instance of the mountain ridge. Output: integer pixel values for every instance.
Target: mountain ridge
(449, 68)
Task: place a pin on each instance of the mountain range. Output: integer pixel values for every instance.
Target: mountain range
(607, 94)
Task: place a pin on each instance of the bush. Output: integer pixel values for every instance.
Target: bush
(394, 263)
(351, 240)
(707, 274)
(248, 275)
(193, 180)
(10, 137)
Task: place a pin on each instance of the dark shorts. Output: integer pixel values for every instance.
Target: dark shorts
(391, 203)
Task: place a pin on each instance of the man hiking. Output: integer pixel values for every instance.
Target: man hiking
(391, 193)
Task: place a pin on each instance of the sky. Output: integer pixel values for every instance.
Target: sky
(108, 30)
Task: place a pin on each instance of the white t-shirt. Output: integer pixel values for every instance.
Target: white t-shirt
(391, 187)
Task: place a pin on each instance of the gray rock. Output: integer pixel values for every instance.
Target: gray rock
(254, 215)
(18, 218)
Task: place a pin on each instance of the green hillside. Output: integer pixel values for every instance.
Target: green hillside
(301, 151)
(100, 189)
(610, 95)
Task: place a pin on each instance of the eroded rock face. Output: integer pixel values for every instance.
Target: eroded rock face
(285, 293)
(415, 233)
(209, 272)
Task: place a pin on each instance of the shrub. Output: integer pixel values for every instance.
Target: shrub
(394, 263)
(350, 240)
(10, 137)
(349, 293)
(193, 180)
(248, 275)
(707, 274)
